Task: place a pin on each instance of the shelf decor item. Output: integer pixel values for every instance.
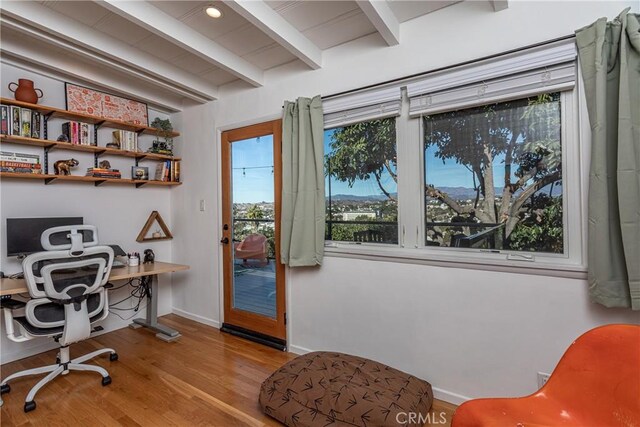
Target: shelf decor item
(140, 173)
(111, 107)
(154, 217)
(25, 92)
(63, 167)
(164, 130)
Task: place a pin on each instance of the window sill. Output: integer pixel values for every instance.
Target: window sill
(473, 261)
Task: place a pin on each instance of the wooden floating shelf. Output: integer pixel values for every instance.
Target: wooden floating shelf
(49, 178)
(46, 143)
(53, 112)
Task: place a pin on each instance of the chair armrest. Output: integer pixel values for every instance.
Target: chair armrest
(12, 304)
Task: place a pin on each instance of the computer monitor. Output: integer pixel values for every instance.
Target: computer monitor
(23, 234)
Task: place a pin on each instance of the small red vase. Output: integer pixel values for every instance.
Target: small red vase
(25, 92)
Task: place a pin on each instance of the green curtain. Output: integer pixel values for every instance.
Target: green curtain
(303, 200)
(609, 54)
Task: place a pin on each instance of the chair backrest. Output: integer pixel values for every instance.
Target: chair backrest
(254, 241)
(66, 280)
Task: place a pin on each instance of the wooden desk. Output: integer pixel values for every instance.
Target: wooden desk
(10, 287)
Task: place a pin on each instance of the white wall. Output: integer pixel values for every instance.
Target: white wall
(119, 211)
(470, 333)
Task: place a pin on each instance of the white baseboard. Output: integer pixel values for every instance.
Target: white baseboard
(30, 351)
(438, 393)
(448, 396)
(196, 317)
(298, 350)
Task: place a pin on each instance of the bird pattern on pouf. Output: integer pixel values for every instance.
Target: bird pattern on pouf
(335, 389)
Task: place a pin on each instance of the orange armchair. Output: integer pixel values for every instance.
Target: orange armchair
(596, 383)
(254, 246)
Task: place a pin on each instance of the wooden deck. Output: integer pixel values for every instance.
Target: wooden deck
(206, 378)
(255, 287)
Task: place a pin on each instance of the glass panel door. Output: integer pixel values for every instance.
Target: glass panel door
(253, 225)
(254, 277)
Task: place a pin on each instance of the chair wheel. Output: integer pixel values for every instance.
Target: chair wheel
(106, 380)
(29, 406)
(5, 388)
(113, 357)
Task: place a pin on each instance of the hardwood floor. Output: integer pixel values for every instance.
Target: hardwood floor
(205, 378)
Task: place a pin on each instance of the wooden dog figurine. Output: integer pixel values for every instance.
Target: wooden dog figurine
(63, 167)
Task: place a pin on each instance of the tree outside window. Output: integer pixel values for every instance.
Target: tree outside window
(493, 176)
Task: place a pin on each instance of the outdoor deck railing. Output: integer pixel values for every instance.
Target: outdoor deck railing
(490, 236)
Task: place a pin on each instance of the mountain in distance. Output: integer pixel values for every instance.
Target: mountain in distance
(354, 198)
(456, 193)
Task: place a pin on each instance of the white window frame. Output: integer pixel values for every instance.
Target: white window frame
(575, 134)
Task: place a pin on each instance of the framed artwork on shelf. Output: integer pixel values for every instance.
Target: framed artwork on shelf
(140, 173)
(83, 100)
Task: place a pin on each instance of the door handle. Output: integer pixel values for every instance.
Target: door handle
(225, 241)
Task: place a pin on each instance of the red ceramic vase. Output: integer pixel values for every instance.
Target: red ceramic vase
(25, 92)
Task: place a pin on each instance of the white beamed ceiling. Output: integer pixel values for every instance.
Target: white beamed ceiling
(324, 23)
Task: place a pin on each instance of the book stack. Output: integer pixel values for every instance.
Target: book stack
(16, 121)
(104, 173)
(126, 140)
(168, 171)
(77, 133)
(20, 162)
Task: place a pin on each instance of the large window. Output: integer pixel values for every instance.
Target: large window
(493, 176)
(482, 163)
(361, 182)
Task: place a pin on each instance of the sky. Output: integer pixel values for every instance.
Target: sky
(256, 185)
(253, 185)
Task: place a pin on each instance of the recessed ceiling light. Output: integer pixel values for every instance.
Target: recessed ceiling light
(213, 12)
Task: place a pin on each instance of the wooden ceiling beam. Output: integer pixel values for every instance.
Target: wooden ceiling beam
(258, 13)
(158, 22)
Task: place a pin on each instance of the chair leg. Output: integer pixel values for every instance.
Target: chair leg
(32, 393)
(91, 355)
(83, 367)
(34, 371)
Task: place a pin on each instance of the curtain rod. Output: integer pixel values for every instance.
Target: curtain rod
(425, 73)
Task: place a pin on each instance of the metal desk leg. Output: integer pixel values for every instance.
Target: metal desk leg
(163, 332)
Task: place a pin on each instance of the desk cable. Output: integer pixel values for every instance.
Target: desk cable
(140, 290)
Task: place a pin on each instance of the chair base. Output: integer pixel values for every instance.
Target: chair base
(63, 366)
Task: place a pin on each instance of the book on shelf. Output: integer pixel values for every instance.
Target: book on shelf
(19, 157)
(14, 121)
(77, 132)
(4, 119)
(25, 122)
(36, 120)
(104, 173)
(126, 140)
(20, 162)
(168, 171)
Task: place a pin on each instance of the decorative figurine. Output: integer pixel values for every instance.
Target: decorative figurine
(149, 256)
(105, 164)
(63, 138)
(63, 167)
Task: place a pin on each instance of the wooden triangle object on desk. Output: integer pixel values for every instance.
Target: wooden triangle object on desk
(154, 217)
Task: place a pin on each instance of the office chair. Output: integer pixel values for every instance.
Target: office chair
(66, 283)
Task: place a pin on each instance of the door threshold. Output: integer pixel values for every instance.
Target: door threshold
(277, 343)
